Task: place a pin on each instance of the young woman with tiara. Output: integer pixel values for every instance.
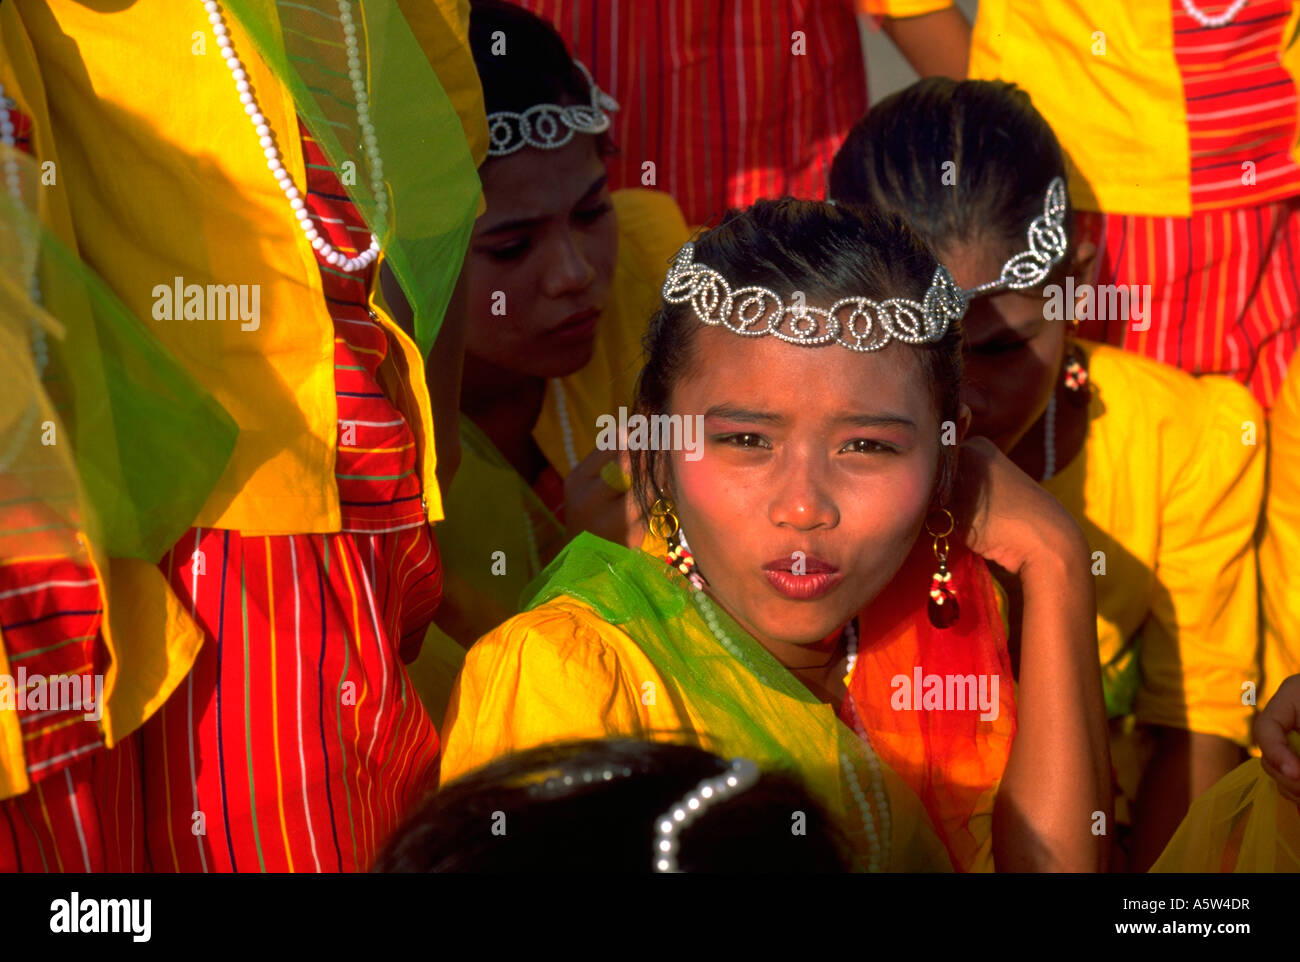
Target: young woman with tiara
(1164, 472)
(801, 509)
(561, 275)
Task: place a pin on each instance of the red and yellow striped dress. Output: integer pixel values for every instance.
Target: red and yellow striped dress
(297, 743)
(1225, 289)
(82, 811)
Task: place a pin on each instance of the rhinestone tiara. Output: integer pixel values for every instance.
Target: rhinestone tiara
(548, 126)
(1047, 245)
(857, 323)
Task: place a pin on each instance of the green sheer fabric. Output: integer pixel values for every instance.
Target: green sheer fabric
(742, 700)
(1120, 681)
(115, 439)
(432, 184)
(489, 557)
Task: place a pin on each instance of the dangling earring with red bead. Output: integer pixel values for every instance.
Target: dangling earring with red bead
(1077, 384)
(943, 607)
(680, 557)
(664, 524)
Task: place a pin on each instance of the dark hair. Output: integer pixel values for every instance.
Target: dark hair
(600, 826)
(537, 67)
(826, 252)
(1003, 152)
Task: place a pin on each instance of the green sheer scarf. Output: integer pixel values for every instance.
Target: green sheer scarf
(114, 438)
(743, 701)
(490, 556)
(428, 171)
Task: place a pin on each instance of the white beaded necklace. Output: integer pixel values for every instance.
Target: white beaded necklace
(877, 778)
(566, 430)
(1205, 20)
(1049, 437)
(13, 181)
(878, 842)
(267, 138)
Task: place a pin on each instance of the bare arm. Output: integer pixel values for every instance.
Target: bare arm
(1058, 775)
(935, 44)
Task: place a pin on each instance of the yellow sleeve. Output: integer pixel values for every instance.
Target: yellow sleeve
(556, 673)
(902, 8)
(1279, 552)
(1198, 645)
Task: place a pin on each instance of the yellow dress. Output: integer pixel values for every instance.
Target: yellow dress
(1241, 824)
(635, 658)
(1168, 489)
(1106, 75)
(148, 637)
(275, 380)
(1279, 550)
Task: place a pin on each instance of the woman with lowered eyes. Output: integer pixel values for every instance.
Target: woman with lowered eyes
(561, 275)
(824, 474)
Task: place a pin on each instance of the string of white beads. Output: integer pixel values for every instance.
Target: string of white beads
(877, 842)
(1205, 20)
(266, 137)
(879, 845)
(1049, 437)
(566, 429)
(740, 776)
(13, 182)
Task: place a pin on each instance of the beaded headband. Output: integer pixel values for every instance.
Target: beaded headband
(1047, 245)
(548, 126)
(857, 323)
(741, 776)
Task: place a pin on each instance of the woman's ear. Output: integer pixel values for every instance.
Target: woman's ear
(964, 418)
(1085, 258)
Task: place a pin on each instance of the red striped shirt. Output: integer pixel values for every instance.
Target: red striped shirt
(731, 102)
(1241, 105)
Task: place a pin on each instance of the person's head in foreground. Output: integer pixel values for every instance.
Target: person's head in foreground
(616, 806)
(822, 449)
(977, 171)
(542, 256)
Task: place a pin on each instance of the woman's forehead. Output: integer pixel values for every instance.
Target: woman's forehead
(533, 183)
(783, 377)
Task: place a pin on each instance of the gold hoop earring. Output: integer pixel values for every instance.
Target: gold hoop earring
(661, 517)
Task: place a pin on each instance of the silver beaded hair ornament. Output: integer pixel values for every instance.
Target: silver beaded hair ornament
(1047, 245)
(857, 323)
(741, 775)
(549, 126)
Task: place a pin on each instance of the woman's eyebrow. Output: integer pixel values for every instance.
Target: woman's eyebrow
(596, 187)
(519, 223)
(732, 412)
(885, 420)
(523, 223)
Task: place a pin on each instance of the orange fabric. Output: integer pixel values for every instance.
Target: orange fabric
(952, 758)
